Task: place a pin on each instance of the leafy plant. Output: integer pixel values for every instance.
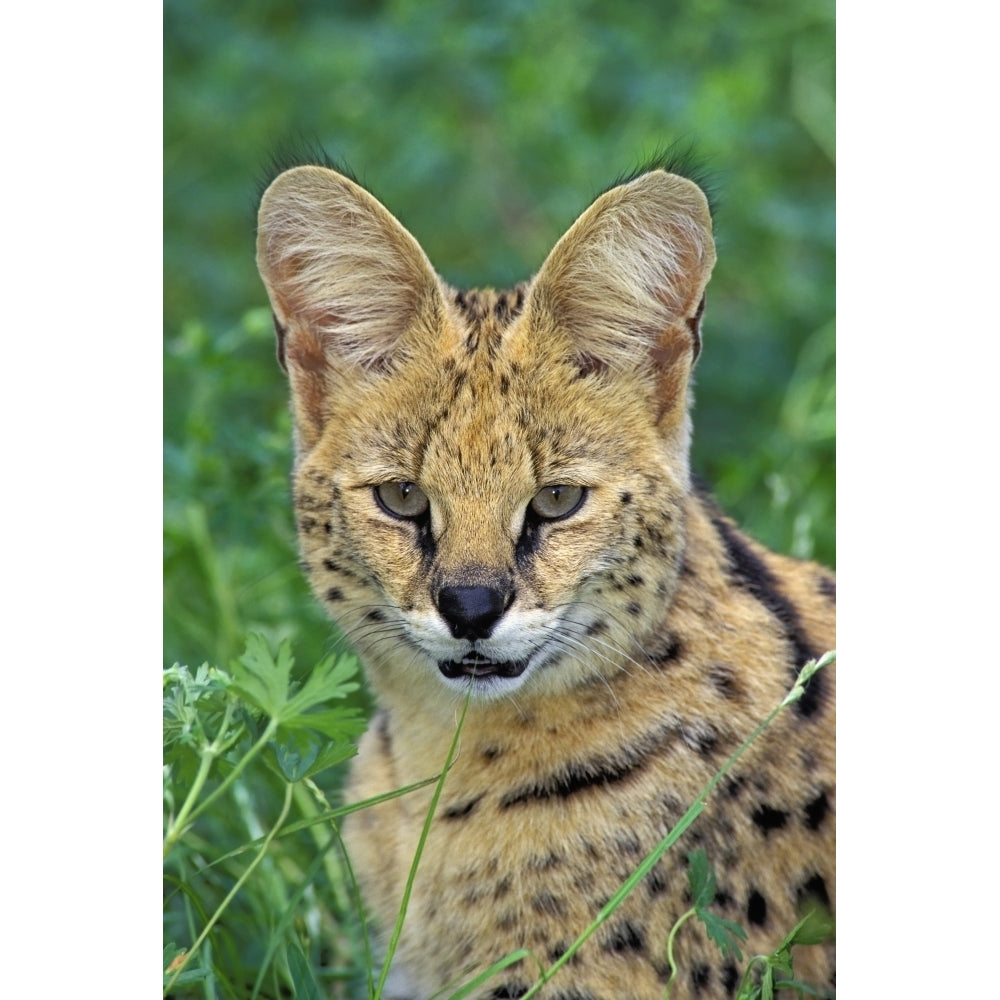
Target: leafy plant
(765, 974)
(217, 725)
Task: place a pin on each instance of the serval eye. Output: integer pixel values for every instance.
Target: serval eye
(401, 499)
(555, 502)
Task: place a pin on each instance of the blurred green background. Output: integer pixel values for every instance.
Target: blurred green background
(486, 128)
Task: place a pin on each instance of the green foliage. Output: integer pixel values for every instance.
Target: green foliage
(236, 745)
(764, 974)
(293, 916)
(486, 129)
(767, 973)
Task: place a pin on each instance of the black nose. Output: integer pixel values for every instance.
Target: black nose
(471, 612)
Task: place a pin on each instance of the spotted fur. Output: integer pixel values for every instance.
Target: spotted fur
(617, 652)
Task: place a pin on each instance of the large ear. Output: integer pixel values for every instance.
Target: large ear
(346, 282)
(626, 284)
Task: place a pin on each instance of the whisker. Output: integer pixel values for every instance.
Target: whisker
(594, 640)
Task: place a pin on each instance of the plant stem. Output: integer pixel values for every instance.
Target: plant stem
(232, 776)
(397, 930)
(235, 889)
(670, 950)
(208, 756)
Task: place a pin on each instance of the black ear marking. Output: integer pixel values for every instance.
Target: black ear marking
(281, 334)
(694, 325)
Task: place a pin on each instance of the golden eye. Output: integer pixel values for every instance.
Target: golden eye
(555, 502)
(402, 499)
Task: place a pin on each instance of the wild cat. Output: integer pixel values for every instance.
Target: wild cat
(493, 494)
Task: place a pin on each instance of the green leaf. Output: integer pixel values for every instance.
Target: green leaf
(816, 927)
(781, 958)
(260, 678)
(333, 754)
(336, 723)
(263, 680)
(701, 879)
(329, 680)
(296, 752)
(303, 981)
(725, 933)
(767, 984)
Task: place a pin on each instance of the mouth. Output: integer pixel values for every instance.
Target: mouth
(475, 665)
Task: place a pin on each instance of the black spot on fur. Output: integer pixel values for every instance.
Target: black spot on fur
(634, 608)
(546, 904)
(544, 862)
(769, 819)
(558, 950)
(813, 890)
(334, 594)
(502, 887)
(656, 884)
(501, 309)
(813, 697)
(668, 653)
(375, 615)
(313, 504)
(729, 976)
(828, 588)
(722, 677)
(624, 936)
(461, 809)
(699, 977)
(701, 740)
(816, 811)
(757, 908)
(628, 843)
(491, 752)
(382, 730)
(626, 498)
(509, 991)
